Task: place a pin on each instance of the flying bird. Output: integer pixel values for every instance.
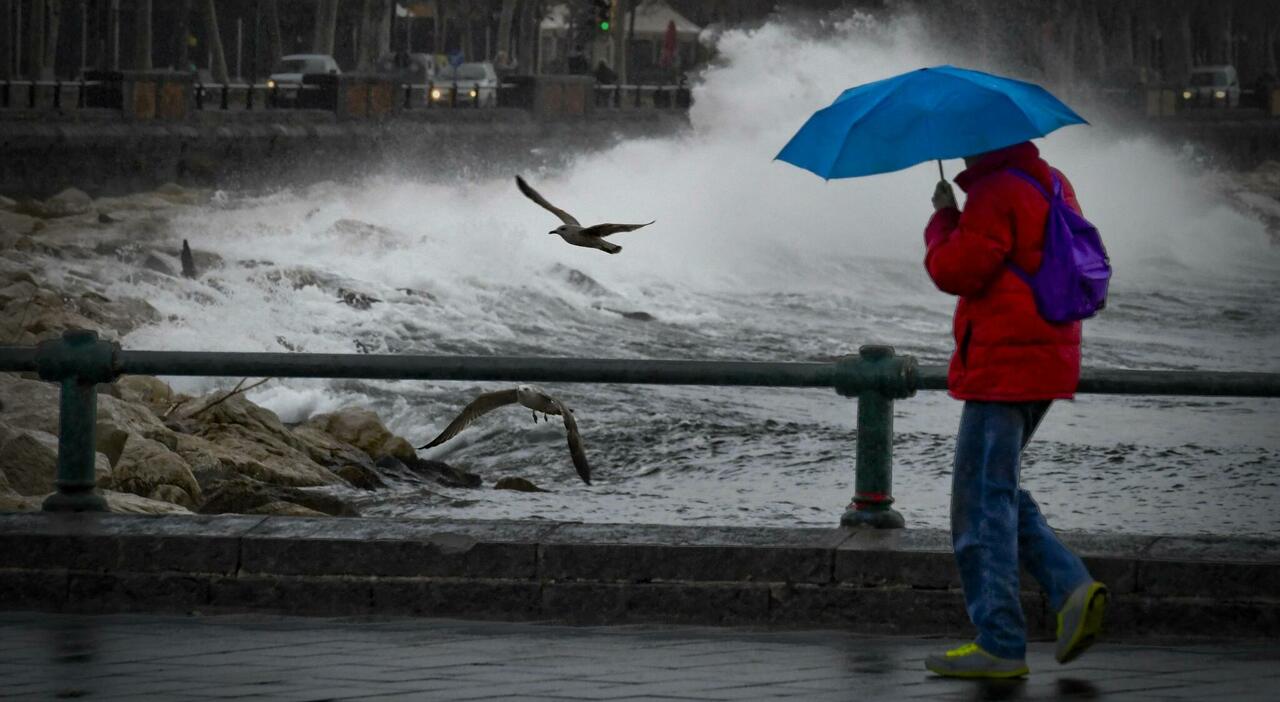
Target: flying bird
(532, 397)
(572, 231)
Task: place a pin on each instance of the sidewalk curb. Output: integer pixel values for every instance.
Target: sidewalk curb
(899, 581)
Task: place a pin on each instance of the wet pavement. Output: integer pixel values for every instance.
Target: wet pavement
(118, 657)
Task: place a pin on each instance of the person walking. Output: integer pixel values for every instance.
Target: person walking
(1009, 365)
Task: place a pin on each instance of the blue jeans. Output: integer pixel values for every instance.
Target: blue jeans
(995, 525)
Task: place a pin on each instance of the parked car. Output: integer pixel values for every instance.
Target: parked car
(477, 82)
(286, 79)
(1212, 86)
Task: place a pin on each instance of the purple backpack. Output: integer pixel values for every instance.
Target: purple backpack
(1071, 283)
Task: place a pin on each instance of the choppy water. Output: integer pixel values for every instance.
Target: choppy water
(750, 259)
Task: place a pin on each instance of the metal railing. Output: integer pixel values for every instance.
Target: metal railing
(33, 94)
(876, 376)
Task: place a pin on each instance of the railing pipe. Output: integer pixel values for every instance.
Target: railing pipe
(78, 361)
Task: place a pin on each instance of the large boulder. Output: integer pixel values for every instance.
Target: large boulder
(242, 495)
(67, 203)
(129, 503)
(29, 462)
(265, 457)
(146, 390)
(17, 223)
(13, 502)
(149, 469)
(363, 430)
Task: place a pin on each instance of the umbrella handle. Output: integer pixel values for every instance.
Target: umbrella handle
(940, 173)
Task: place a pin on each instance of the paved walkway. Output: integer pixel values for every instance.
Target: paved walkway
(135, 657)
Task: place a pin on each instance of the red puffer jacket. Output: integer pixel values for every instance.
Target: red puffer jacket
(1005, 351)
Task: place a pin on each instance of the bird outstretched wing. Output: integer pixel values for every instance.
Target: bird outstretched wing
(532, 194)
(576, 451)
(601, 230)
(482, 405)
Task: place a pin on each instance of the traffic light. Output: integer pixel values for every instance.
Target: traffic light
(603, 10)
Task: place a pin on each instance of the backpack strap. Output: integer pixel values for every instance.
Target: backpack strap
(1057, 183)
(1057, 193)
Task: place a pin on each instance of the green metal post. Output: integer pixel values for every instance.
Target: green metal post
(78, 361)
(876, 377)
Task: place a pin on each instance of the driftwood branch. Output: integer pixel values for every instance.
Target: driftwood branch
(239, 388)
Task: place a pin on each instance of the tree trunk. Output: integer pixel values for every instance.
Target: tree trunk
(506, 14)
(142, 35)
(437, 28)
(111, 56)
(35, 40)
(620, 40)
(6, 39)
(1177, 44)
(530, 18)
(54, 23)
(209, 13)
(326, 27)
(271, 21)
(182, 30)
(375, 32)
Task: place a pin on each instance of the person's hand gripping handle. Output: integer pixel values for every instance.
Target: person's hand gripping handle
(943, 195)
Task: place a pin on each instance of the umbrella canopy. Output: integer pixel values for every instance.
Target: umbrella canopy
(931, 113)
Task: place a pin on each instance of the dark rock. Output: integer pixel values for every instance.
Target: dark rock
(356, 299)
(580, 280)
(242, 495)
(188, 261)
(159, 264)
(415, 468)
(361, 476)
(517, 484)
(104, 218)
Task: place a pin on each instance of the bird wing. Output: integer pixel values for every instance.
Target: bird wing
(602, 230)
(482, 405)
(576, 450)
(532, 194)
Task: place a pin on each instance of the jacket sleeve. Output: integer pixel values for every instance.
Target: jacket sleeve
(967, 250)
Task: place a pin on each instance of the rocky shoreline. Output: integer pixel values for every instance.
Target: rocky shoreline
(159, 451)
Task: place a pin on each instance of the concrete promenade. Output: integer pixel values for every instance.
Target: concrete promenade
(166, 657)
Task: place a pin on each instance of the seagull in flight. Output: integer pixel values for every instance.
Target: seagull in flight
(572, 231)
(532, 397)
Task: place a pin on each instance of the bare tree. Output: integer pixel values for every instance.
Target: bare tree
(6, 39)
(182, 50)
(375, 32)
(326, 26)
(505, 15)
(209, 12)
(142, 35)
(271, 18)
(35, 40)
(53, 22)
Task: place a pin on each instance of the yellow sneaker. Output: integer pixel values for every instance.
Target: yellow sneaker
(1080, 621)
(970, 661)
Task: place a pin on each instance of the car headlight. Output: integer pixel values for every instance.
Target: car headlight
(1220, 94)
(474, 92)
(435, 93)
(271, 84)
(1186, 94)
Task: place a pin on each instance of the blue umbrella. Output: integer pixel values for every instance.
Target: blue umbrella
(931, 113)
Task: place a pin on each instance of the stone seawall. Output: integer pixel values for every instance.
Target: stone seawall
(901, 581)
(98, 152)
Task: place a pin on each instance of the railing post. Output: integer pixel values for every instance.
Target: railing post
(226, 94)
(80, 96)
(57, 94)
(876, 377)
(31, 94)
(408, 95)
(453, 95)
(78, 361)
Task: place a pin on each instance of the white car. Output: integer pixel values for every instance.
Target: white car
(1212, 86)
(286, 79)
(477, 82)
